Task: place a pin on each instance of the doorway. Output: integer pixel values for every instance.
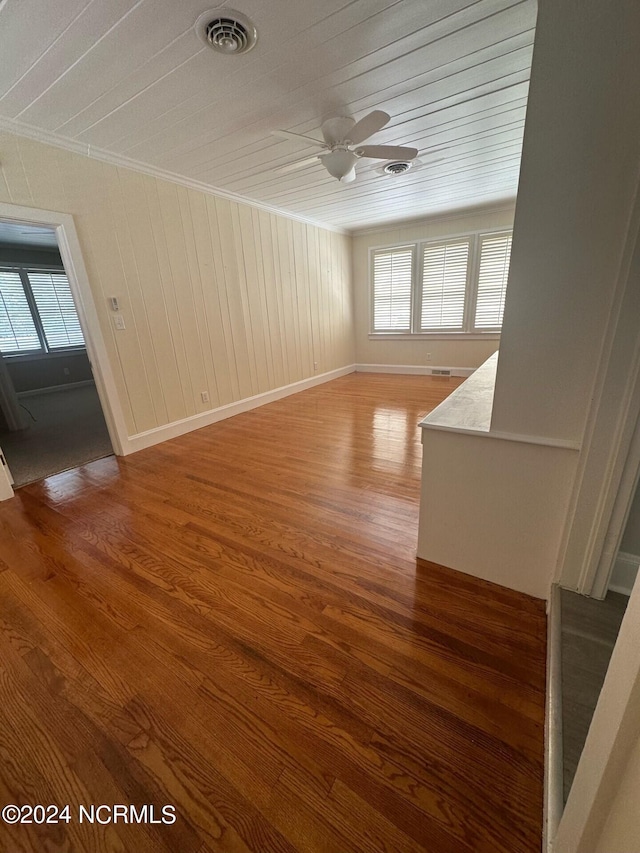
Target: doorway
(590, 628)
(51, 417)
(73, 301)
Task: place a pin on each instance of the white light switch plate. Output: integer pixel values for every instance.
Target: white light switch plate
(118, 322)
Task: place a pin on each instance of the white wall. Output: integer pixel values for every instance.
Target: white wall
(570, 336)
(451, 352)
(578, 179)
(570, 333)
(217, 296)
(491, 507)
(621, 833)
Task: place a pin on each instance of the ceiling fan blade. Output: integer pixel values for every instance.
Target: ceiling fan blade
(299, 164)
(297, 137)
(387, 152)
(350, 176)
(368, 125)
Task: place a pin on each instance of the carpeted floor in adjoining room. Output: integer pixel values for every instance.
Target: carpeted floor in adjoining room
(589, 632)
(65, 429)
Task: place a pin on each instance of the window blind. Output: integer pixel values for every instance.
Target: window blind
(56, 308)
(444, 283)
(17, 329)
(495, 254)
(392, 276)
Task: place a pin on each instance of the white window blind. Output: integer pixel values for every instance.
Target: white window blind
(495, 254)
(444, 283)
(392, 277)
(57, 311)
(18, 332)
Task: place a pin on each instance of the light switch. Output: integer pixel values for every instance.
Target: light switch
(113, 302)
(118, 322)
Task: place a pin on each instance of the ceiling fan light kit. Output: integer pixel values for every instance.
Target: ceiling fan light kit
(342, 137)
(339, 162)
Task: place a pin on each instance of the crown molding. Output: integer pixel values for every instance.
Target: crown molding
(39, 135)
(460, 213)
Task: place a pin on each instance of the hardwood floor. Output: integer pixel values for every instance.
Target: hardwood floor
(234, 623)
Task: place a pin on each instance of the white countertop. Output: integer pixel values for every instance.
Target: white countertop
(468, 408)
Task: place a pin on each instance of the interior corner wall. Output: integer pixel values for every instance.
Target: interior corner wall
(216, 295)
(578, 178)
(445, 352)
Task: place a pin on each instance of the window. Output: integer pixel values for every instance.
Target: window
(392, 273)
(17, 330)
(495, 254)
(444, 285)
(455, 286)
(37, 312)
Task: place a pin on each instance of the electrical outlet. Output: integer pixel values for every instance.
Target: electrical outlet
(428, 356)
(315, 365)
(205, 396)
(118, 322)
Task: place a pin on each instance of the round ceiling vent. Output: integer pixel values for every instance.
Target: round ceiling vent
(397, 167)
(227, 31)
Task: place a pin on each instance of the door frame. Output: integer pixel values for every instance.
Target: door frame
(619, 516)
(609, 461)
(71, 254)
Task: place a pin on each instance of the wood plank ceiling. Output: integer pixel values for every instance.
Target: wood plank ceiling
(134, 80)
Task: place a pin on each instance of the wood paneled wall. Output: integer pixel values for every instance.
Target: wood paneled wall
(217, 296)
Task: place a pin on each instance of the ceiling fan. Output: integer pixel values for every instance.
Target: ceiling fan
(342, 137)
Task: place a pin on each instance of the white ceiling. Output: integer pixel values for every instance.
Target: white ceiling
(133, 79)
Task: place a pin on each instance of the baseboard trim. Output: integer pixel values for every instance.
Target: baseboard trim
(142, 440)
(553, 759)
(625, 570)
(415, 369)
(51, 389)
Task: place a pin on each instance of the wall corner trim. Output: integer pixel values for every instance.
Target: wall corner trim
(553, 759)
(142, 440)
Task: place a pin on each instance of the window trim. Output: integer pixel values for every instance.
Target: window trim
(44, 351)
(468, 331)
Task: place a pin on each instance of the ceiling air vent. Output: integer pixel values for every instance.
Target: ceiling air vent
(397, 167)
(227, 31)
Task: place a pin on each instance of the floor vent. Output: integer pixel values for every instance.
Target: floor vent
(441, 372)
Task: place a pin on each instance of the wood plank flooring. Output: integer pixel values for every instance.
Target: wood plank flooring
(234, 623)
